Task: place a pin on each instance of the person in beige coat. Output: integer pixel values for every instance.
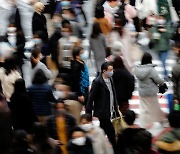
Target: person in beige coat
(96, 134)
(8, 76)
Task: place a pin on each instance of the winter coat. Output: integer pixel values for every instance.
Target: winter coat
(39, 24)
(22, 112)
(148, 79)
(41, 95)
(99, 142)
(7, 82)
(77, 68)
(176, 80)
(85, 149)
(98, 46)
(163, 42)
(124, 85)
(100, 95)
(52, 126)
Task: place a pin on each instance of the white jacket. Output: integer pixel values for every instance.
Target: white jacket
(146, 8)
(7, 82)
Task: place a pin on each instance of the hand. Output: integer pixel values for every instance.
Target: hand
(176, 101)
(162, 30)
(81, 99)
(57, 142)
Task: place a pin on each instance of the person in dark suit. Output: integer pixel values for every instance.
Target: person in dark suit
(103, 95)
(39, 20)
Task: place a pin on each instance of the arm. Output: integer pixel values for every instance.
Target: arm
(108, 26)
(92, 95)
(76, 73)
(155, 77)
(46, 71)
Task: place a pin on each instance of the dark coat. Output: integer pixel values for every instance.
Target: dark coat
(76, 68)
(124, 85)
(41, 95)
(176, 80)
(126, 141)
(39, 24)
(86, 149)
(22, 112)
(100, 95)
(52, 126)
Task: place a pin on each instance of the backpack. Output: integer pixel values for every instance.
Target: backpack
(121, 14)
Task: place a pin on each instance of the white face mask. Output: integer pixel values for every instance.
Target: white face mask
(65, 34)
(79, 141)
(109, 73)
(161, 21)
(65, 16)
(96, 123)
(86, 127)
(59, 94)
(11, 29)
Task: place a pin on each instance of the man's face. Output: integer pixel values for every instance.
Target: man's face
(109, 72)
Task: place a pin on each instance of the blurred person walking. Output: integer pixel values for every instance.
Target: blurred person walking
(121, 34)
(39, 20)
(8, 76)
(103, 22)
(98, 46)
(5, 12)
(21, 107)
(60, 125)
(80, 75)
(41, 142)
(124, 84)
(79, 144)
(41, 95)
(148, 79)
(25, 8)
(96, 134)
(31, 68)
(160, 36)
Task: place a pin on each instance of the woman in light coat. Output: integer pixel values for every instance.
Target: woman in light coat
(148, 79)
(8, 76)
(98, 46)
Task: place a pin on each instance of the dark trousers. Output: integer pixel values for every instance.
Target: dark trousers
(108, 128)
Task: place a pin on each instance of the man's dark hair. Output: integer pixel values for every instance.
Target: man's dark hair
(105, 66)
(35, 52)
(76, 51)
(130, 117)
(88, 117)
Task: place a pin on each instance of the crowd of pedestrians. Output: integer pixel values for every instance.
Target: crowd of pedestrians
(48, 104)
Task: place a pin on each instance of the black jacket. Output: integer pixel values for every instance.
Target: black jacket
(86, 149)
(100, 95)
(76, 68)
(23, 116)
(124, 85)
(39, 24)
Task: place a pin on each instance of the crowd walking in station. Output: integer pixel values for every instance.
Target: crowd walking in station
(70, 69)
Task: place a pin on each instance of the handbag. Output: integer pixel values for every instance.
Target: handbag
(118, 123)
